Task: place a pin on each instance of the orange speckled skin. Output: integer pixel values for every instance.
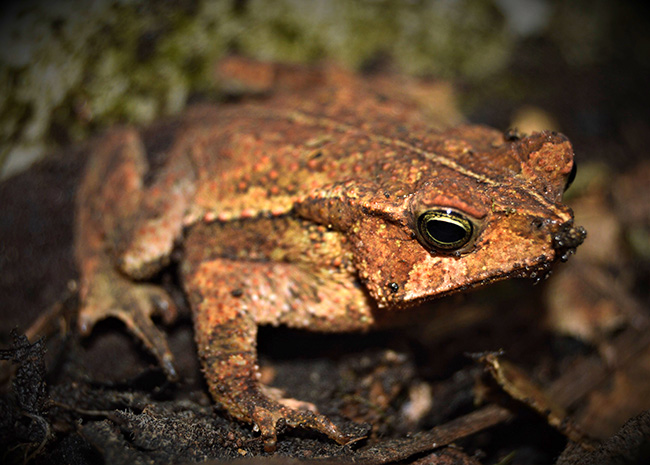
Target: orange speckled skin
(300, 209)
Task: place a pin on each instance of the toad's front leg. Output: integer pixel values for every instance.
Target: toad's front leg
(226, 331)
(125, 230)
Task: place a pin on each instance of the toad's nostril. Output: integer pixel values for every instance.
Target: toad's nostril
(538, 223)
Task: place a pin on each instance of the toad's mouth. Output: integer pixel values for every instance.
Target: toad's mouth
(537, 272)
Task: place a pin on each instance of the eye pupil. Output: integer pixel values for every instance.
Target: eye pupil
(444, 230)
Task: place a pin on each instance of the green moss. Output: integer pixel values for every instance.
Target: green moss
(80, 66)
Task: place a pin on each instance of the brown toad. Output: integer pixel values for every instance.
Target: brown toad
(324, 207)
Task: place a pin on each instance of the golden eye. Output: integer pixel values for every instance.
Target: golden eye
(444, 230)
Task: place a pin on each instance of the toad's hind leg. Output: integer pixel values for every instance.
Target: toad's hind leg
(226, 299)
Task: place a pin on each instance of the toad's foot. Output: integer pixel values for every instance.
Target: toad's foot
(109, 294)
(267, 415)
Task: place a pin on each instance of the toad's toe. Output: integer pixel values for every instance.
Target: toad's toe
(111, 295)
(268, 418)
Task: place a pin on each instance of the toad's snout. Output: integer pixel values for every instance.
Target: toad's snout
(567, 238)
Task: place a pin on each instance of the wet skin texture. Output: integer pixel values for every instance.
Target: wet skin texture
(327, 206)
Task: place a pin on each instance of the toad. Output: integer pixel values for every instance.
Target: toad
(329, 207)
